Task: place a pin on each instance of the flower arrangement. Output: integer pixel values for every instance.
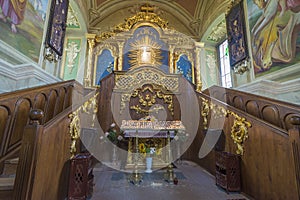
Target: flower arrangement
(146, 150)
(181, 136)
(113, 135)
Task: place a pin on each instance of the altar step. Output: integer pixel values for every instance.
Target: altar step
(156, 164)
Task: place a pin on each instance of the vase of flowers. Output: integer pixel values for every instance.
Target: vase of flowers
(149, 158)
(148, 164)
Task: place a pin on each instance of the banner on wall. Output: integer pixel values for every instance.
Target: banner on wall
(237, 42)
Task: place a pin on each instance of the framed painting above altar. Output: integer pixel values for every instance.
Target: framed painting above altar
(237, 42)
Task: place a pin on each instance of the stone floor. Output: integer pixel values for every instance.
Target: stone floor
(194, 183)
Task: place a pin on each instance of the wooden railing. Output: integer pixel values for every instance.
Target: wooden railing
(46, 149)
(269, 164)
(277, 113)
(15, 107)
(270, 160)
(43, 167)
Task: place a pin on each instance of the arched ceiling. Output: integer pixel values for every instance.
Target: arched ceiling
(191, 17)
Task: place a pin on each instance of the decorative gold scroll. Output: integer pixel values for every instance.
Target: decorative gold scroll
(150, 100)
(145, 75)
(90, 107)
(231, 5)
(145, 15)
(218, 111)
(205, 112)
(239, 131)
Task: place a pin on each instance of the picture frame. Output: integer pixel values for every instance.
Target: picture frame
(57, 26)
(236, 32)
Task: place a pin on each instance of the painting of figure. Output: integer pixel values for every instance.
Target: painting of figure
(22, 25)
(275, 37)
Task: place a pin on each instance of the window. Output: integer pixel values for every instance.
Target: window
(224, 64)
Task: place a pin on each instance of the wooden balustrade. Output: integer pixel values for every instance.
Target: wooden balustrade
(270, 164)
(275, 112)
(43, 167)
(294, 135)
(15, 107)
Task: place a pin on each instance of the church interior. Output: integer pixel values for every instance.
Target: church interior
(149, 99)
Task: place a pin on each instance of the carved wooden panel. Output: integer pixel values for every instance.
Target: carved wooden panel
(51, 105)
(267, 151)
(4, 119)
(250, 102)
(15, 106)
(61, 100)
(253, 108)
(271, 115)
(20, 120)
(287, 123)
(238, 102)
(40, 101)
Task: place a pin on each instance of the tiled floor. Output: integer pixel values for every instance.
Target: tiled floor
(193, 184)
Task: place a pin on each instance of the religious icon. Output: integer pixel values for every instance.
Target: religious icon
(57, 25)
(236, 34)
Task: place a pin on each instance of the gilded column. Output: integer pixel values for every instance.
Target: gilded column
(88, 73)
(199, 46)
(120, 61)
(171, 66)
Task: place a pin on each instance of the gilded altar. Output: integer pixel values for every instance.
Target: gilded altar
(144, 135)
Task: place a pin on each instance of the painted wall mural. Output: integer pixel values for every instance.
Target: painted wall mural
(275, 36)
(22, 25)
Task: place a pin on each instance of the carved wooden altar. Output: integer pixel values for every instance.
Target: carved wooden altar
(150, 134)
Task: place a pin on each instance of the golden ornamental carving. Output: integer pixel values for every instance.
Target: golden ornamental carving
(145, 51)
(145, 15)
(154, 109)
(150, 100)
(131, 81)
(89, 107)
(218, 111)
(112, 48)
(204, 112)
(179, 39)
(74, 131)
(231, 5)
(91, 43)
(239, 131)
(218, 32)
